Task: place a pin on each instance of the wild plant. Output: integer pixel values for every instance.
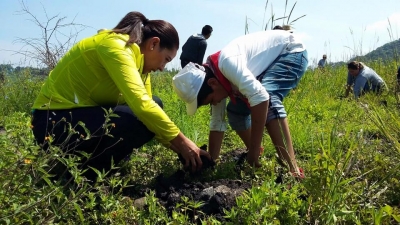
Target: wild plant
(272, 20)
(18, 92)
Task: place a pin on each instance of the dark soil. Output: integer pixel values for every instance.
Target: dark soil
(215, 195)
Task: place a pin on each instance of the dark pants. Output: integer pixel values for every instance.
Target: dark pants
(127, 131)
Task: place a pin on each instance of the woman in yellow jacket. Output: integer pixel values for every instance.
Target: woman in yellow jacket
(111, 70)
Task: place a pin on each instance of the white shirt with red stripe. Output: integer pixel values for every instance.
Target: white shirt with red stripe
(245, 58)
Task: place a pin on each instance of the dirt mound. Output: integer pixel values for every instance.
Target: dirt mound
(215, 195)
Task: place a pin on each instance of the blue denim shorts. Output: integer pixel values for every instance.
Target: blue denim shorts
(278, 79)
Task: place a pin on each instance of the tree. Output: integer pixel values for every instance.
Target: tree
(5, 69)
(57, 37)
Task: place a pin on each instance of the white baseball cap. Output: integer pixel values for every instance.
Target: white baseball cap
(187, 84)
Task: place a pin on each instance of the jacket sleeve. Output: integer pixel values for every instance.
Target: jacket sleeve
(201, 52)
(121, 63)
(350, 80)
(147, 85)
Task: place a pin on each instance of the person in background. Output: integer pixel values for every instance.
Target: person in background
(363, 79)
(111, 70)
(322, 62)
(398, 77)
(195, 47)
(256, 71)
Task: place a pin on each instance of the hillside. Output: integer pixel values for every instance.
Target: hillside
(386, 52)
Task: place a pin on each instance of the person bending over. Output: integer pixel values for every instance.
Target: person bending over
(363, 79)
(256, 71)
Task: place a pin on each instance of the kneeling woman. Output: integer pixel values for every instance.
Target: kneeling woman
(364, 80)
(111, 70)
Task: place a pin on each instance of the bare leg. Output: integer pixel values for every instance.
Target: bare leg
(245, 135)
(279, 132)
(215, 141)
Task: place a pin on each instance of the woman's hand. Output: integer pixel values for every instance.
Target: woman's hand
(252, 158)
(189, 151)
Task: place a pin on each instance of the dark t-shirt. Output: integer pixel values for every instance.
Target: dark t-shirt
(194, 49)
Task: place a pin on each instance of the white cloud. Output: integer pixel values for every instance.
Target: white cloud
(384, 24)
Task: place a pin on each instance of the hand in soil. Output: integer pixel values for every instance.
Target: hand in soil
(252, 157)
(253, 161)
(206, 161)
(245, 157)
(194, 157)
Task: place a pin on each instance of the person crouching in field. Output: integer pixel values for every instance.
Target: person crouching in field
(363, 79)
(398, 80)
(111, 71)
(256, 71)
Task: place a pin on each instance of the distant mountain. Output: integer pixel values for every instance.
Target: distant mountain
(387, 52)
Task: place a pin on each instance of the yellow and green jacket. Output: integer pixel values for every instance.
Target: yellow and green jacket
(102, 71)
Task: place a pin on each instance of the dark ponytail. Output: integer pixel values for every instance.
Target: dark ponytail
(140, 29)
(354, 65)
(132, 24)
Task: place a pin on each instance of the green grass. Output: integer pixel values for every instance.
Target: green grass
(349, 151)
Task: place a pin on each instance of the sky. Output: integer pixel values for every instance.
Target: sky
(338, 28)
